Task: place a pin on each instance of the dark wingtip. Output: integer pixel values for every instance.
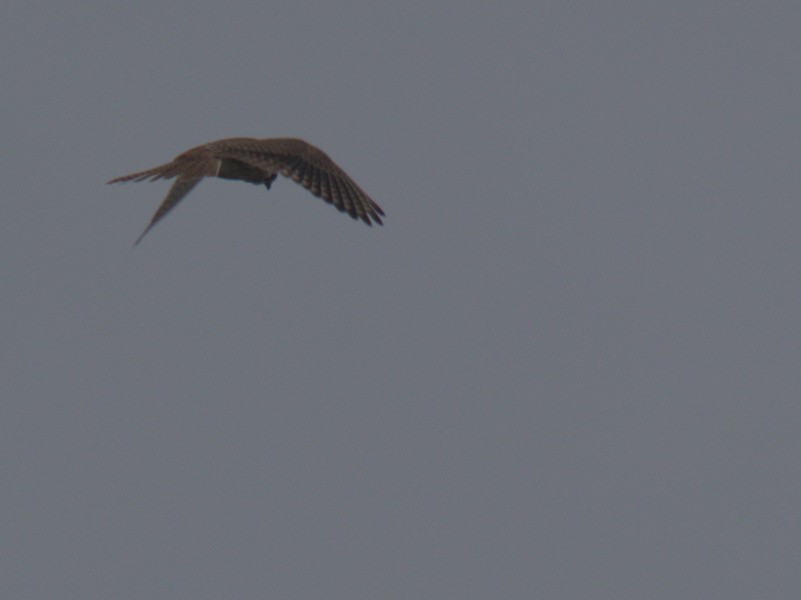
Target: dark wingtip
(144, 233)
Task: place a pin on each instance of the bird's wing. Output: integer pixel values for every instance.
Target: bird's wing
(182, 186)
(190, 167)
(313, 169)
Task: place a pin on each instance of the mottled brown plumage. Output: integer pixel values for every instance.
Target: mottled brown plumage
(260, 161)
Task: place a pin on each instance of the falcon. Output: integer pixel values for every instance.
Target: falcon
(260, 161)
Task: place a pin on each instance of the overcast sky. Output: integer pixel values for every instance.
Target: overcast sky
(568, 366)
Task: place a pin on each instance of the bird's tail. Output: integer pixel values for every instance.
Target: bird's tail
(180, 166)
(153, 174)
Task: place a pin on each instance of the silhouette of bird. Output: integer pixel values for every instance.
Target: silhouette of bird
(260, 161)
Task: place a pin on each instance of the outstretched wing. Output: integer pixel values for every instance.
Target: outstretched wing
(258, 161)
(310, 167)
(182, 186)
(190, 167)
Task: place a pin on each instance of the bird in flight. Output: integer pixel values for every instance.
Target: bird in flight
(260, 161)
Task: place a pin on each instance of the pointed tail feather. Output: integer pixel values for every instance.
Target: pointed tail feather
(151, 174)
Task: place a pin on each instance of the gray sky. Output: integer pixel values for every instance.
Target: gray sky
(567, 367)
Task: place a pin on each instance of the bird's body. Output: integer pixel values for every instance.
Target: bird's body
(260, 162)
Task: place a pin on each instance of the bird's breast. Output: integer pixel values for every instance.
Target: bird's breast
(234, 169)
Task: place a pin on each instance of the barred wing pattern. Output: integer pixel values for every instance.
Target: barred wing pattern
(260, 161)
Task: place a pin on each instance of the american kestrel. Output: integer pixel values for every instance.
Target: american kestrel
(260, 161)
